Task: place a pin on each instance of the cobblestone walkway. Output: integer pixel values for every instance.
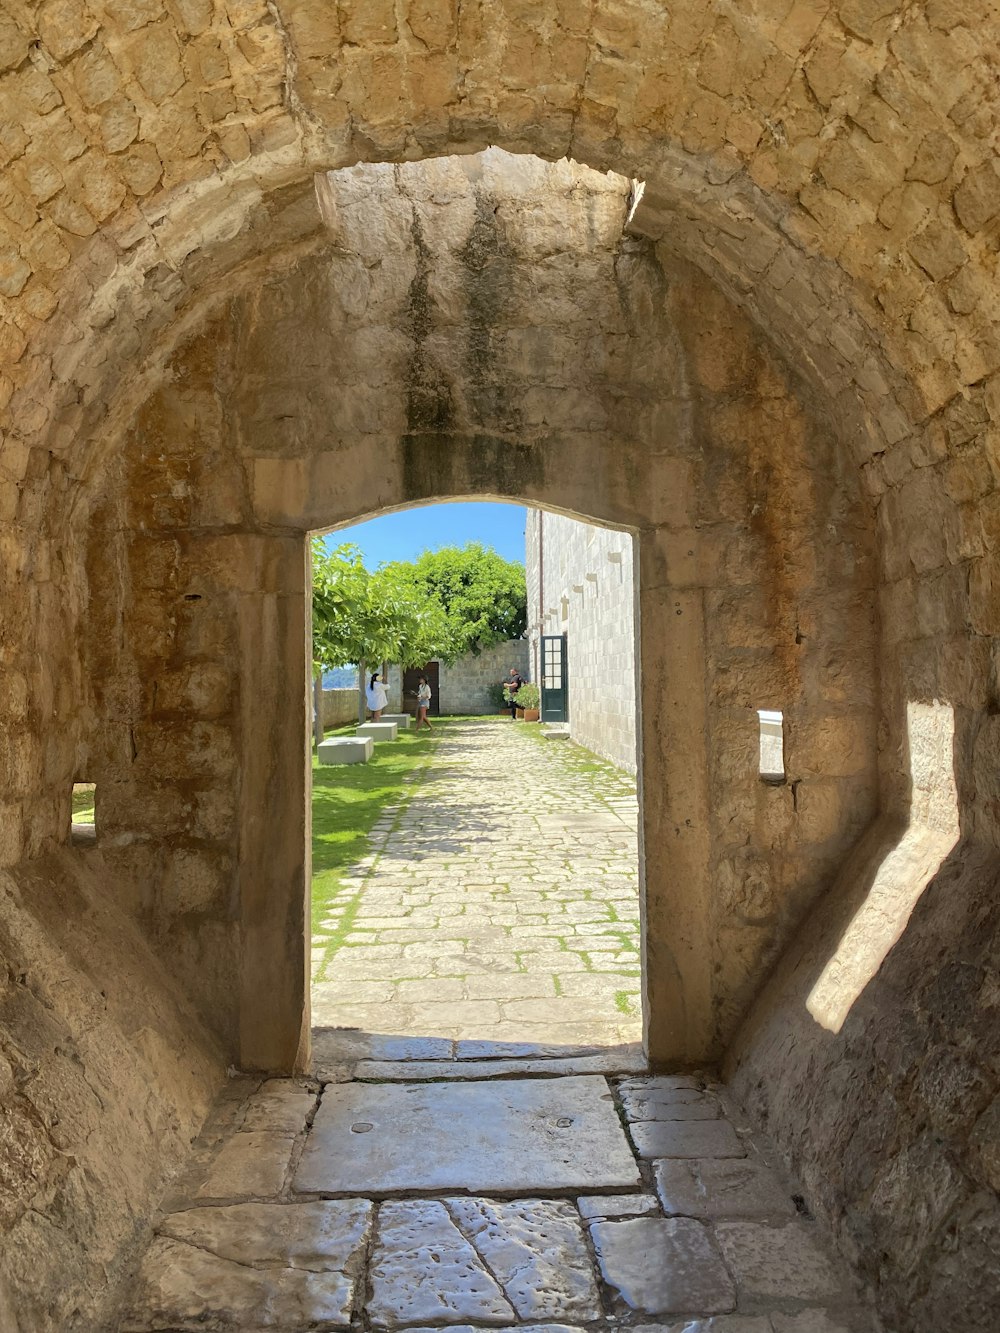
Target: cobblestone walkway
(543, 1205)
(498, 902)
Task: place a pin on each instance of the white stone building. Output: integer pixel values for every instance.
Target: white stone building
(581, 585)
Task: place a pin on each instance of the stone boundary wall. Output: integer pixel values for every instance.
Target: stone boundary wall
(339, 707)
(581, 583)
(464, 687)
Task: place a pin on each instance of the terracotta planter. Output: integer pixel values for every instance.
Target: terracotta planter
(520, 714)
(531, 715)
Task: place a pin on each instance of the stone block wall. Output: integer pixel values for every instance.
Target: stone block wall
(106, 1075)
(581, 583)
(463, 687)
(464, 684)
(796, 369)
(339, 707)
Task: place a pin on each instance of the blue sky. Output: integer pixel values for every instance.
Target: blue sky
(404, 535)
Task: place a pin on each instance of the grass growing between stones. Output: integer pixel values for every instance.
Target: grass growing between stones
(607, 782)
(347, 800)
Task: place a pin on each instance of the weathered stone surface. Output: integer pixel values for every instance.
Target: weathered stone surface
(252, 1163)
(539, 1134)
(668, 1098)
(320, 1236)
(735, 1323)
(779, 1262)
(790, 152)
(280, 1107)
(537, 1251)
(663, 1266)
(422, 1267)
(488, 1069)
(520, 1328)
(617, 1205)
(686, 1138)
(280, 1266)
(721, 1188)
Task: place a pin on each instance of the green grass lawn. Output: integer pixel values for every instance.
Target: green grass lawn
(83, 803)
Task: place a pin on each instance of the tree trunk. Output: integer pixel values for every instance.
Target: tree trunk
(318, 708)
(362, 703)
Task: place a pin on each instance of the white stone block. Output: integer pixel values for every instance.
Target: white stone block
(402, 720)
(346, 750)
(378, 731)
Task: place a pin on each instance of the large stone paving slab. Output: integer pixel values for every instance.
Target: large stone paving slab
(253, 1266)
(774, 1263)
(537, 1251)
(253, 1163)
(423, 1269)
(720, 1187)
(664, 1266)
(686, 1138)
(517, 1137)
(482, 1260)
(400, 1070)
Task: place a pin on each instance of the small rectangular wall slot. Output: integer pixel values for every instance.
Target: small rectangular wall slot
(83, 828)
(772, 745)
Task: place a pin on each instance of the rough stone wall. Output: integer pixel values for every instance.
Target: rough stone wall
(339, 707)
(464, 684)
(893, 1121)
(831, 167)
(476, 327)
(581, 583)
(105, 1078)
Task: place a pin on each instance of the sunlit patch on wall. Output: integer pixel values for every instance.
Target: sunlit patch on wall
(903, 874)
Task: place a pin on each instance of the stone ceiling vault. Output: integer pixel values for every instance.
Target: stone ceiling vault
(831, 165)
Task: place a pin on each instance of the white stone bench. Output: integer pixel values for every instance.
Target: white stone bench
(378, 731)
(346, 750)
(402, 720)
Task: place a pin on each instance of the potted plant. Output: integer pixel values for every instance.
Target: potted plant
(498, 697)
(528, 699)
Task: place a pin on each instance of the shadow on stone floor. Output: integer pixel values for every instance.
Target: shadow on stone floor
(340, 1054)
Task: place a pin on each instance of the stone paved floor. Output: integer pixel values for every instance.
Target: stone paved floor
(584, 1202)
(499, 901)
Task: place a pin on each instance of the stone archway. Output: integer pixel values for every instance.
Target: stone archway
(633, 396)
(829, 170)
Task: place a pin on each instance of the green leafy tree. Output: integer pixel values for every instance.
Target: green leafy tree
(482, 595)
(359, 617)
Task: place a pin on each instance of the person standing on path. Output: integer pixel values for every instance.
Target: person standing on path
(512, 684)
(423, 704)
(377, 696)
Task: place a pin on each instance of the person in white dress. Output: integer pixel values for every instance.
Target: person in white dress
(376, 695)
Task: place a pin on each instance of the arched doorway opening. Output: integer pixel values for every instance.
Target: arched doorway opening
(476, 888)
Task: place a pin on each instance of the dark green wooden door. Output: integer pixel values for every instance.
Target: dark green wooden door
(555, 682)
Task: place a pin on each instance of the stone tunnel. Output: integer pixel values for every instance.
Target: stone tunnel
(722, 276)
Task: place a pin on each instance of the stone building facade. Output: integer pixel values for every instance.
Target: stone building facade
(581, 583)
(245, 295)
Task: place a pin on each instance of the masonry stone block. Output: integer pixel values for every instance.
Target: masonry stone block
(783, 348)
(346, 749)
(378, 731)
